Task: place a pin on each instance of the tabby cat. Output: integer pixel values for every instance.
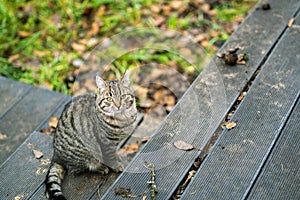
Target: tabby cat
(89, 131)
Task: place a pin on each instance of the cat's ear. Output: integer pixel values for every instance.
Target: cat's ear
(100, 84)
(126, 78)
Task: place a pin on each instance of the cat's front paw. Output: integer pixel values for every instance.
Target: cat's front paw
(120, 165)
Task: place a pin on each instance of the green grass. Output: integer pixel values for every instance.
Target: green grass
(36, 37)
(233, 9)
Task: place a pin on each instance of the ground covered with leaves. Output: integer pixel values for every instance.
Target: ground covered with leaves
(47, 43)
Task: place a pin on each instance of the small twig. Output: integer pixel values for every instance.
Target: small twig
(190, 176)
(152, 184)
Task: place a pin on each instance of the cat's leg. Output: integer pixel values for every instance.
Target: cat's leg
(53, 182)
(114, 161)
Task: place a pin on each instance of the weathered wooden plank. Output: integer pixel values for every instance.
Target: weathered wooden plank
(10, 92)
(81, 186)
(23, 173)
(26, 116)
(198, 114)
(239, 155)
(280, 178)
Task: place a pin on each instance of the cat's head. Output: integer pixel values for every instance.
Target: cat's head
(116, 101)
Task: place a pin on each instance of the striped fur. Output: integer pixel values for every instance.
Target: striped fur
(89, 131)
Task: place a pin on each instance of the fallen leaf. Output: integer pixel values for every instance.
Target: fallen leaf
(18, 197)
(170, 100)
(166, 10)
(230, 125)
(3, 136)
(141, 92)
(220, 55)
(145, 103)
(205, 43)
(201, 37)
(39, 53)
(94, 30)
(159, 95)
(144, 139)
(13, 57)
(37, 154)
(159, 20)
(266, 5)
(78, 47)
(241, 97)
(231, 59)
(129, 148)
(205, 8)
(155, 8)
(182, 145)
(291, 22)
(230, 114)
(53, 122)
(176, 4)
(23, 34)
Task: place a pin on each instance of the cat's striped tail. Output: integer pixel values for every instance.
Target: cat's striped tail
(53, 182)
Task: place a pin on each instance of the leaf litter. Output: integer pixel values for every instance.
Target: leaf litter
(37, 154)
(232, 58)
(182, 145)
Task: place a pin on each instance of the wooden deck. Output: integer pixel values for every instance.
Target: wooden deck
(258, 159)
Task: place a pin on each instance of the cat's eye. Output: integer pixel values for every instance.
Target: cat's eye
(109, 99)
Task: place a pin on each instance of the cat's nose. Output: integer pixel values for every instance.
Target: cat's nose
(118, 104)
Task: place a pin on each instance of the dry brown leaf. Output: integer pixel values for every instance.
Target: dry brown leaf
(78, 47)
(37, 154)
(204, 43)
(129, 148)
(3, 136)
(145, 103)
(291, 22)
(230, 114)
(13, 57)
(53, 122)
(144, 139)
(240, 98)
(23, 34)
(170, 100)
(94, 30)
(176, 4)
(155, 8)
(141, 92)
(166, 10)
(230, 125)
(159, 95)
(182, 145)
(39, 53)
(205, 8)
(201, 37)
(159, 20)
(185, 51)
(18, 197)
